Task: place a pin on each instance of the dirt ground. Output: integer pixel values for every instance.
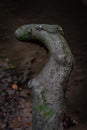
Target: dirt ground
(72, 16)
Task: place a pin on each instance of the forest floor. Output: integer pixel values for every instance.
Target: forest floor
(17, 58)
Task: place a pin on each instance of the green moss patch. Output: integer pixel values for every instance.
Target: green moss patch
(45, 111)
(26, 37)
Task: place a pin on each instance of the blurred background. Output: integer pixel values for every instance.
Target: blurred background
(72, 16)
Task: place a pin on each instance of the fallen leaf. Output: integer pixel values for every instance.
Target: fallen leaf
(27, 124)
(15, 123)
(14, 86)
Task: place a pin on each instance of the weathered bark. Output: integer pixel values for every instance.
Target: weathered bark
(49, 85)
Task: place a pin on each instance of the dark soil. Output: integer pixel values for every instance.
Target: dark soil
(28, 59)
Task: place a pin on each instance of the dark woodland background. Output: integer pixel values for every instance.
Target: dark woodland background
(72, 16)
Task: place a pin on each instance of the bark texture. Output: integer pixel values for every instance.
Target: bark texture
(50, 84)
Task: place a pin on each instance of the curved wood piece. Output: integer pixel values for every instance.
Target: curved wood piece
(49, 85)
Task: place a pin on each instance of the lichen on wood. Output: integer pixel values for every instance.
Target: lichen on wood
(49, 85)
